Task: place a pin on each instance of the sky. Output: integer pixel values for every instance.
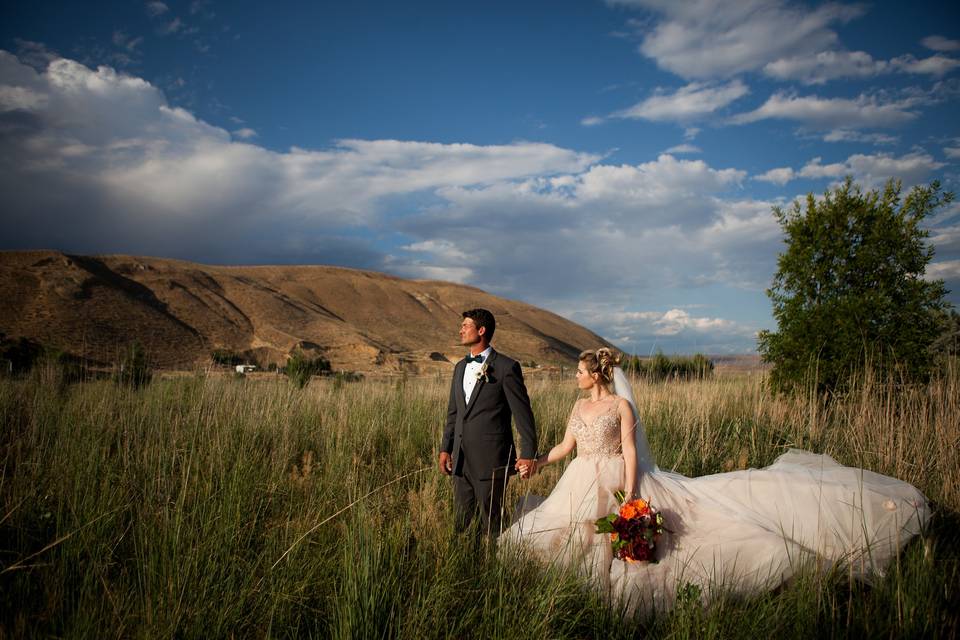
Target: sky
(614, 162)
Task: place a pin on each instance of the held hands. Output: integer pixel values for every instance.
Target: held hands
(527, 467)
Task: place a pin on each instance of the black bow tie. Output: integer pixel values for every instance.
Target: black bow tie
(476, 359)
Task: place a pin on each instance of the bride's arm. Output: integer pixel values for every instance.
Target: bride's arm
(563, 449)
(629, 447)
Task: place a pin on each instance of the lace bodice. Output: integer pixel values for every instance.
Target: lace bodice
(600, 438)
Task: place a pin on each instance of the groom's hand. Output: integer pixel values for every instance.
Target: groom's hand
(446, 463)
(527, 467)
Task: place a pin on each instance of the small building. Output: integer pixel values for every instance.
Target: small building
(245, 368)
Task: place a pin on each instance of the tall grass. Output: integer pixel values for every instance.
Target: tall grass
(214, 507)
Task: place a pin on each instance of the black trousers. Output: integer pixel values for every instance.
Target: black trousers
(483, 496)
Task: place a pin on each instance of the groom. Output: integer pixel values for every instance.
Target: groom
(477, 448)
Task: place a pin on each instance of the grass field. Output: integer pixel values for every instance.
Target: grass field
(206, 506)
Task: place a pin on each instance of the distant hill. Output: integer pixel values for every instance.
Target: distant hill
(181, 312)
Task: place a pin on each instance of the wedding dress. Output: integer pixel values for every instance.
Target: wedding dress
(741, 532)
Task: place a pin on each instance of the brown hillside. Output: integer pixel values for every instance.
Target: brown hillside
(182, 311)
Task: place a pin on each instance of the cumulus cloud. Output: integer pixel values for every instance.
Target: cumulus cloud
(684, 148)
(951, 152)
(709, 39)
(937, 65)
(780, 175)
(870, 170)
(940, 43)
(687, 103)
(668, 330)
(864, 112)
(722, 38)
(245, 133)
(97, 161)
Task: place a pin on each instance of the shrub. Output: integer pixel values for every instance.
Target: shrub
(133, 369)
(661, 367)
(300, 367)
(18, 356)
(226, 357)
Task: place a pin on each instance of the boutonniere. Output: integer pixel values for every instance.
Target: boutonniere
(482, 372)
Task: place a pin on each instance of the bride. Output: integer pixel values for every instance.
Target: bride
(742, 532)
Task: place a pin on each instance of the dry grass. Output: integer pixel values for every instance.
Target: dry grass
(210, 507)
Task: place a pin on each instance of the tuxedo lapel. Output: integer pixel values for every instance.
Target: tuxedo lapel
(458, 381)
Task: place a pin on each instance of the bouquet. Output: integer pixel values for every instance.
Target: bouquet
(634, 531)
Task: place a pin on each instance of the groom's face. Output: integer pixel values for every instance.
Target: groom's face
(469, 334)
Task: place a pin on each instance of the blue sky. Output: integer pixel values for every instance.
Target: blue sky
(615, 162)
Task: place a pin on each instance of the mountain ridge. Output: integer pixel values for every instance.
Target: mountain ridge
(181, 311)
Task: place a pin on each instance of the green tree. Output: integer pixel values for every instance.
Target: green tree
(133, 368)
(300, 367)
(849, 289)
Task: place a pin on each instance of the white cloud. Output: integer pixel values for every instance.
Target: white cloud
(444, 249)
(832, 113)
(780, 176)
(946, 239)
(20, 98)
(945, 270)
(591, 121)
(684, 148)
(822, 66)
(171, 27)
(124, 41)
(690, 102)
(952, 152)
(869, 170)
(846, 135)
(157, 8)
(671, 328)
(936, 65)
(96, 161)
(722, 38)
(939, 43)
(245, 133)
(99, 157)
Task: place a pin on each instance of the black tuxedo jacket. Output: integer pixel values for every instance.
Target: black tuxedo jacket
(478, 434)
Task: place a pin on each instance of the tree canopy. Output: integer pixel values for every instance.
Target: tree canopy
(850, 289)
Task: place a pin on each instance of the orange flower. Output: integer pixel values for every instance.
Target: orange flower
(632, 509)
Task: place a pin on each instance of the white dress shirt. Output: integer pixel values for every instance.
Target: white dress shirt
(470, 374)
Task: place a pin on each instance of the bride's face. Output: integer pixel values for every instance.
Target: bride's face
(585, 380)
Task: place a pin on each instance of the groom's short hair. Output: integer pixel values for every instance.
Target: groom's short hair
(482, 318)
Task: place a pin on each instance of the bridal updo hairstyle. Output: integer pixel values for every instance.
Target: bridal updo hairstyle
(601, 361)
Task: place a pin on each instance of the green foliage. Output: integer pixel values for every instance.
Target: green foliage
(849, 289)
(227, 357)
(661, 367)
(18, 356)
(133, 369)
(300, 367)
(948, 342)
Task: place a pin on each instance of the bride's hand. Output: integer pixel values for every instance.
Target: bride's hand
(527, 468)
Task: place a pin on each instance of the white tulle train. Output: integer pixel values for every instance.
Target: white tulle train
(742, 532)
